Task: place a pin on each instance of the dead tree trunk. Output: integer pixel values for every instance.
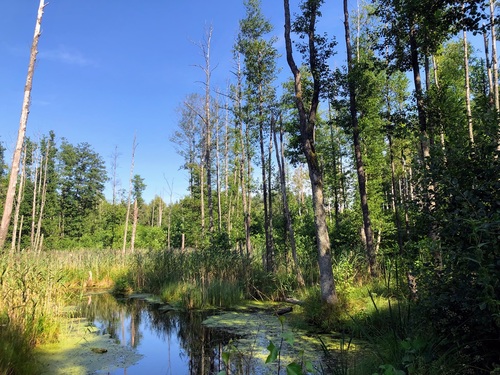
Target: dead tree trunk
(134, 226)
(14, 170)
(20, 194)
(134, 146)
(280, 157)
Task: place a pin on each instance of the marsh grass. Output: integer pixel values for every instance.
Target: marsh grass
(34, 289)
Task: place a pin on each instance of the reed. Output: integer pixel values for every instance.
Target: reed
(34, 289)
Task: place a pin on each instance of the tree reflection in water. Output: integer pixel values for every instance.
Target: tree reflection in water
(171, 342)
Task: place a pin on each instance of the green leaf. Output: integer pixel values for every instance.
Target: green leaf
(225, 357)
(289, 337)
(309, 366)
(273, 352)
(223, 372)
(294, 369)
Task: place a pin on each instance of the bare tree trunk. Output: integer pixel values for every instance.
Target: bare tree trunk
(368, 232)
(217, 171)
(160, 212)
(114, 188)
(38, 235)
(243, 162)
(467, 89)
(169, 221)
(125, 234)
(494, 56)
(134, 226)
(20, 194)
(307, 126)
(205, 47)
(488, 66)
(270, 199)
(36, 183)
(436, 82)
(280, 158)
(14, 170)
(269, 266)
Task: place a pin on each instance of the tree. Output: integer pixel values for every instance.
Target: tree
(353, 108)
(125, 231)
(11, 189)
(138, 187)
(260, 72)
(82, 174)
(307, 122)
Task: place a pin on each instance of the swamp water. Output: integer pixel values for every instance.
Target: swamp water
(138, 335)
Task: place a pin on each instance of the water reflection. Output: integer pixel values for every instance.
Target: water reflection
(170, 342)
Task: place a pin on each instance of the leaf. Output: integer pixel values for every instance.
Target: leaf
(273, 352)
(309, 366)
(289, 337)
(225, 357)
(223, 372)
(294, 369)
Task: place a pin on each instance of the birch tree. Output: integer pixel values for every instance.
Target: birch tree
(14, 170)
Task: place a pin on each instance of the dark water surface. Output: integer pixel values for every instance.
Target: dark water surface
(170, 342)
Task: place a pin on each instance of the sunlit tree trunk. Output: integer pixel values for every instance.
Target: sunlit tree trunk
(36, 183)
(467, 89)
(280, 159)
(125, 235)
(368, 232)
(14, 170)
(488, 65)
(134, 226)
(494, 56)
(307, 122)
(38, 234)
(20, 194)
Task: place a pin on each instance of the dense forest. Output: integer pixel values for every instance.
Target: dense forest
(381, 170)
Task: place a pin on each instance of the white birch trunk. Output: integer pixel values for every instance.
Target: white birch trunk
(11, 189)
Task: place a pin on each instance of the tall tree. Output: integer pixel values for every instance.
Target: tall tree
(353, 108)
(14, 170)
(307, 123)
(260, 71)
(138, 187)
(130, 187)
(82, 177)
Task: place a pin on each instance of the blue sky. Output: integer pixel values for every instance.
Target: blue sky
(109, 69)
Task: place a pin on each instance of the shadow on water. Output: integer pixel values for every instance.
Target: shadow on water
(170, 342)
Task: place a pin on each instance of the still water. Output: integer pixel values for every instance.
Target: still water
(170, 342)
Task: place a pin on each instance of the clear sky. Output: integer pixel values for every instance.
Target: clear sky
(109, 69)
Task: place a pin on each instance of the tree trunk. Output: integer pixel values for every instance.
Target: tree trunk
(269, 266)
(42, 203)
(368, 232)
(494, 56)
(134, 226)
(488, 66)
(217, 173)
(280, 157)
(20, 194)
(14, 170)
(307, 124)
(467, 89)
(134, 146)
(36, 183)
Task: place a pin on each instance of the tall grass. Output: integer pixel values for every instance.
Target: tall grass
(34, 289)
